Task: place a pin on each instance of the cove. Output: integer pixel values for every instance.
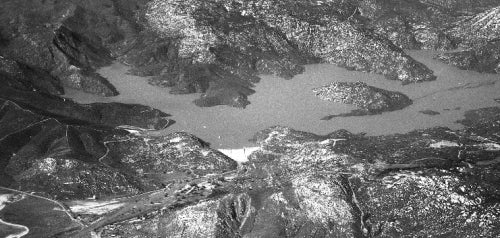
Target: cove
(292, 103)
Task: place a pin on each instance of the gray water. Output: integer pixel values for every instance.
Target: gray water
(292, 103)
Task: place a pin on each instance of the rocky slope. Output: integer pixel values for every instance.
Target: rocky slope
(57, 37)
(52, 150)
(55, 161)
(423, 24)
(34, 90)
(276, 36)
(479, 35)
(433, 182)
(71, 170)
(471, 26)
(478, 29)
(485, 58)
(215, 47)
(220, 47)
(370, 100)
(409, 24)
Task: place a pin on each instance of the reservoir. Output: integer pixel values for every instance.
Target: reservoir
(292, 103)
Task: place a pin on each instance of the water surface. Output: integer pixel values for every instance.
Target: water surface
(292, 102)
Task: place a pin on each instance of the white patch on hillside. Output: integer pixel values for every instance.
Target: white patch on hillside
(205, 152)
(93, 207)
(4, 198)
(329, 142)
(239, 155)
(443, 143)
(134, 130)
(175, 140)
